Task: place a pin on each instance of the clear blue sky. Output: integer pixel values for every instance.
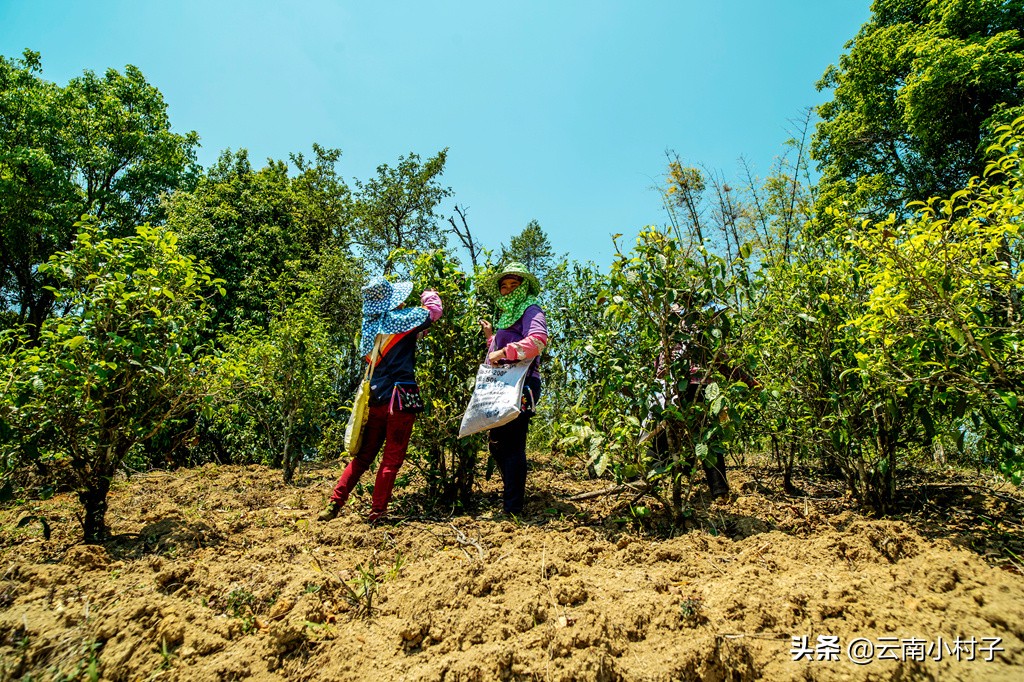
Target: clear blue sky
(555, 110)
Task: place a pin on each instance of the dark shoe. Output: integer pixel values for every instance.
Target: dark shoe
(515, 517)
(329, 512)
(375, 518)
(718, 492)
(717, 484)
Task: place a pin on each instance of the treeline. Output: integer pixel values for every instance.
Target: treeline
(161, 314)
(858, 323)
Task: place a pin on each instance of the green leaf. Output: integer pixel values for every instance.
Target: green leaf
(599, 459)
(701, 451)
(712, 392)
(957, 335)
(75, 342)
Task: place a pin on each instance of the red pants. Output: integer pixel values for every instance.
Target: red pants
(393, 432)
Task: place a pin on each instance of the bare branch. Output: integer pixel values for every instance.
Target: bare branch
(464, 235)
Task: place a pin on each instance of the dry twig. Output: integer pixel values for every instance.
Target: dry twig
(642, 489)
(461, 538)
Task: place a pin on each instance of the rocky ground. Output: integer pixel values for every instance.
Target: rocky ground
(223, 573)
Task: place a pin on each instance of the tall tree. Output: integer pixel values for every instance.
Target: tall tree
(101, 145)
(396, 209)
(249, 224)
(945, 310)
(916, 98)
(532, 248)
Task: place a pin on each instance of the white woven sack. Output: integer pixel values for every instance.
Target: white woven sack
(497, 397)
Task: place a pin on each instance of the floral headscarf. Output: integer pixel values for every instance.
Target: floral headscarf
(380, 300)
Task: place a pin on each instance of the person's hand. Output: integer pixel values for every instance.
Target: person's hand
(488, 330)
(496, 356)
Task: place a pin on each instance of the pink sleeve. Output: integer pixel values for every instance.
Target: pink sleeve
(530, 347)
(536, 339)
(432, 302)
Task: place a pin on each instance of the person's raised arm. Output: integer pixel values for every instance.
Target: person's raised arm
(432, 302)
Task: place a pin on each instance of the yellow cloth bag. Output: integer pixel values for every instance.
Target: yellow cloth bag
(360, 406)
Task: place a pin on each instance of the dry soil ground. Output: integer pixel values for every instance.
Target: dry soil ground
(223, 573)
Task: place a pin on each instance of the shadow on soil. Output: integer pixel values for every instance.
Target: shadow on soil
(168, 537)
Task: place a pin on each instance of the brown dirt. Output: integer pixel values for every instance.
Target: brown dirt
(222, 573)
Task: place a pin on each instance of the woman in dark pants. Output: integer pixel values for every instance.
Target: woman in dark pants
(520, 333)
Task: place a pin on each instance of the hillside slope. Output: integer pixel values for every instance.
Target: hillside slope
(222, 573)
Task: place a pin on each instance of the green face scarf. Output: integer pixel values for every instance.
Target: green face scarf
(514, 305)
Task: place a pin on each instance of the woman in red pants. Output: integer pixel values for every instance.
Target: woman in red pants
(394, 396)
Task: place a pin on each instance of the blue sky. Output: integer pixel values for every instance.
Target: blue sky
(554, 111)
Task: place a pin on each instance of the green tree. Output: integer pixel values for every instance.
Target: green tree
(447, 361)
(670, 300)
(395, 211)
(945, 310)
(790, 327)
(322, 200)
(101, 145)
(37, 200)
(819, 401)
(282, 380)
(249, 224)
(532, 248)
(915, 101)
(113, 371)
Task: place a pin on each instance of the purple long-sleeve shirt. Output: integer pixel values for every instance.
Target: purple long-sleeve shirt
(526, 338)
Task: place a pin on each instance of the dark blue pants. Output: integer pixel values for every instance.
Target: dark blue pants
(507, 445)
